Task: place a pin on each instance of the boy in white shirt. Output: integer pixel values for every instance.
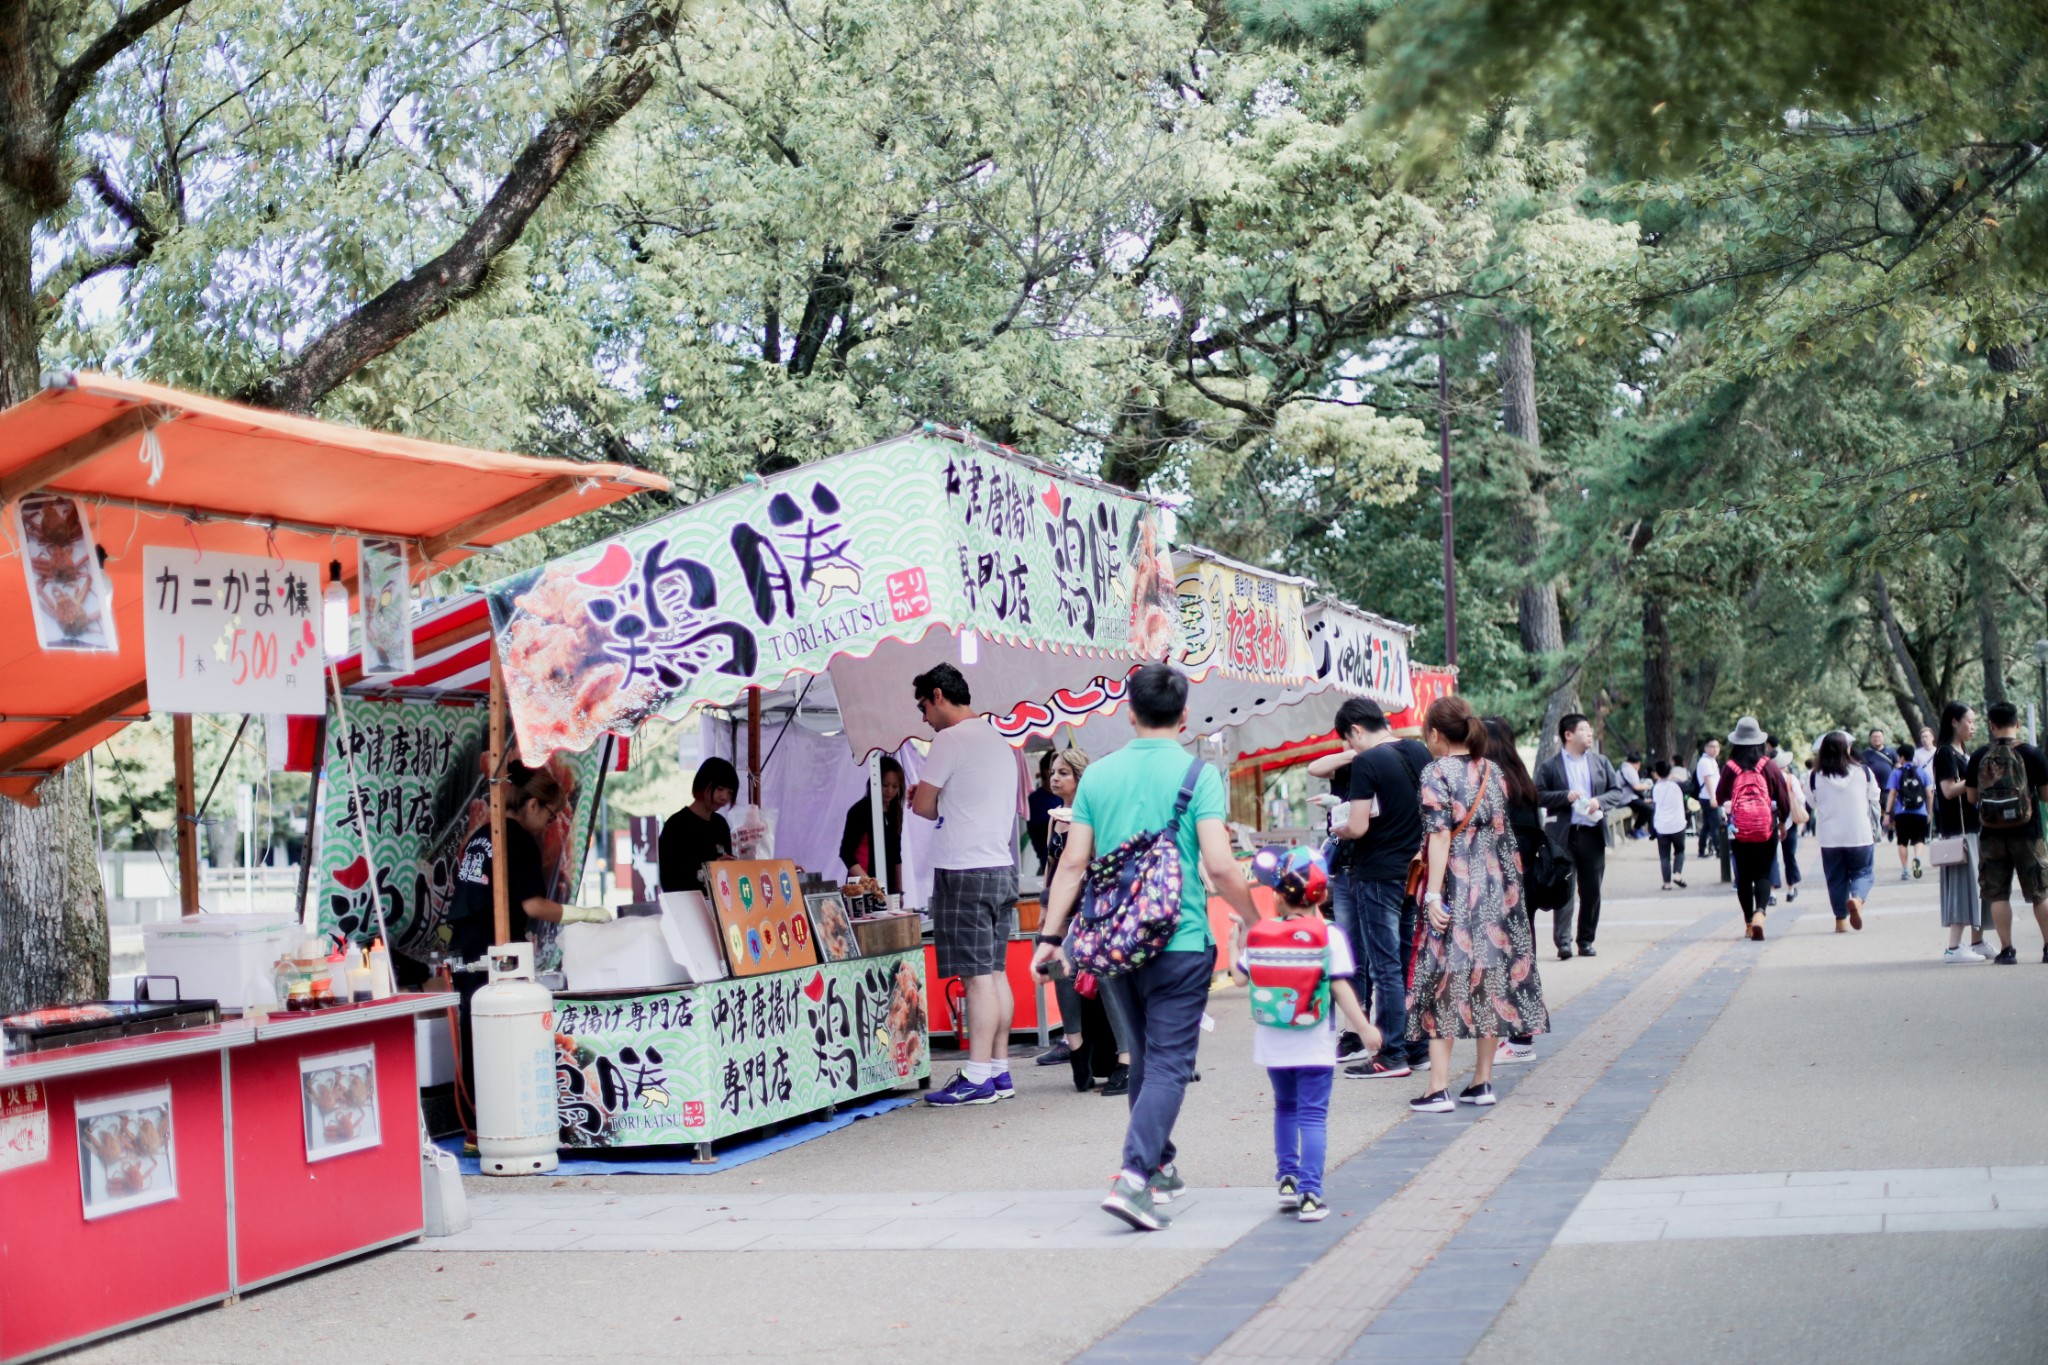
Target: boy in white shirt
(1667, 820)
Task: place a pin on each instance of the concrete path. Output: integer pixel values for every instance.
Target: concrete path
(1702, 1098)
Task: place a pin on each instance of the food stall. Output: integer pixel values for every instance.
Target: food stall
(867, 568)
(177, 554)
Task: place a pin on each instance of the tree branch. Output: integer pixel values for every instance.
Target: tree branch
(459, 272)
(124, 34)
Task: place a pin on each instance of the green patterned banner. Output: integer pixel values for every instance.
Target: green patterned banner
(778, 577)
(419, 770)
(702, 1063)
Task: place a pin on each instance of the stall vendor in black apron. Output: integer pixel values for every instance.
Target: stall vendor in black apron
(532, 800)
(697, 834)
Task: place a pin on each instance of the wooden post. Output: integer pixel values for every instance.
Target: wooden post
(501, 863)
(754, 746)
(187, 818)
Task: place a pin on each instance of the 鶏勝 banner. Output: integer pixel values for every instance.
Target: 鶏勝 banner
(780, 577)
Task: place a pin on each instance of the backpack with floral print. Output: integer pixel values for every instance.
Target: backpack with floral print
(1130, 899)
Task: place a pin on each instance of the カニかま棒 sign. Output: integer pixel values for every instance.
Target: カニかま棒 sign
(234, 633)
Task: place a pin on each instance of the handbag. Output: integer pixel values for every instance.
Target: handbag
(1950, 851)
(1130, 900)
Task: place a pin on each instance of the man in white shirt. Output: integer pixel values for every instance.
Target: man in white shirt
(971, 786)
(1580, 785)
(1708, 773)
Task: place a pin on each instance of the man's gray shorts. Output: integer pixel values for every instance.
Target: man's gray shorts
(973, 911)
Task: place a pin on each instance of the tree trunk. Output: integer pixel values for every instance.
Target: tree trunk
(1982, 577)
(53, 907)
(1901, 655)
(1536, 609)
(1660, 715)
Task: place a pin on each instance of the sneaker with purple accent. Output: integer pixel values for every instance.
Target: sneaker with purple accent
(961, 1091)
(1004, 1089)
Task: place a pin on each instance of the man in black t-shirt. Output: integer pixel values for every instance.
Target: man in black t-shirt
(1381, 830)
(2006, 783)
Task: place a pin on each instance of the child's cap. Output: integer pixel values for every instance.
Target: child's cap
(1298, 875)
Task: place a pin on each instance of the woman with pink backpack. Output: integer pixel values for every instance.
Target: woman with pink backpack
(1755, 803)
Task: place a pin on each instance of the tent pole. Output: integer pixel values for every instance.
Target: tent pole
(878, 839)
(188, 820)
(754, 746)
(312, 819)
(501, 862)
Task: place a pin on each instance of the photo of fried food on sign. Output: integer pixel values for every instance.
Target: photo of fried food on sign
(754, 908)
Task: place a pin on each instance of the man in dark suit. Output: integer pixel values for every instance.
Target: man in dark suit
(1576, 787)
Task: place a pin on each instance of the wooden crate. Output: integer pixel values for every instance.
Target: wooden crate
(897, 933)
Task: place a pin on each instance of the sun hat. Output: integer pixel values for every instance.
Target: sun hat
(1746, 731)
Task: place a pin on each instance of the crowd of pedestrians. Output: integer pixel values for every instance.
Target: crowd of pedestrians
(1413, 925)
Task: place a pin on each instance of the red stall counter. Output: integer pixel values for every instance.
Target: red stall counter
(146, 1176)
(313, 1187)
(114, 1187)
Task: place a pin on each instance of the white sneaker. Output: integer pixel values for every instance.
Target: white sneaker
(1963, 955)
(1510, 1052)
(1982, 950)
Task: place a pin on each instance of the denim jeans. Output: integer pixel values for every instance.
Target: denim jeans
(1377, 923)
(1671, 855)
(1849, 872)
(1073, 1011)
(1788, 858)
(1301, 1123)
(1162, 1004)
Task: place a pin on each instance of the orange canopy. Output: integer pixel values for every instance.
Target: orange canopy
(238, 480)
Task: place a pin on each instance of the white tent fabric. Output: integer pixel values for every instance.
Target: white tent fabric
(809, 781)
(1356, 654)
(876, 698)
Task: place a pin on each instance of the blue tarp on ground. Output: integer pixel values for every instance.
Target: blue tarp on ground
(680, 1163)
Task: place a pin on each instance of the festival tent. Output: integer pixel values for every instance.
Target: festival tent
(156, 467)
(1267, 666)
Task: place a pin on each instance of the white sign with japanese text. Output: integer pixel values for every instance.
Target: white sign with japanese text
(233, 633)
(24, 1125)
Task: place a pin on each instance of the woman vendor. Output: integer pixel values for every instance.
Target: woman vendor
(856, 845)
(697, 834)
(532, 800)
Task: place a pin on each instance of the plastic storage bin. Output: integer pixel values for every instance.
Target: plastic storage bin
(627, 954)
(227, 958)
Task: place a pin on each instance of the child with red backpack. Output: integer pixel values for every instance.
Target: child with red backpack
(1755, 803)
(1297, 966)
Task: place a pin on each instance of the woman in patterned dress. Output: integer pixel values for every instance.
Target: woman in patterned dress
(1475, 972)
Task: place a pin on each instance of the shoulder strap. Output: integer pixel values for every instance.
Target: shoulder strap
(1187, 794)
(1485, 775)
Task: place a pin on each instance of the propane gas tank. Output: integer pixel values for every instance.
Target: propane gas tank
(512, 1028)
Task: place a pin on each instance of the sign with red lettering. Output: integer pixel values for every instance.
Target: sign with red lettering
(909, 595)
(24, 1125)
(233, 633)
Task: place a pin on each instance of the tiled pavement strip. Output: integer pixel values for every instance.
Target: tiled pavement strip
(1807, 1203)
(1328, 1308)
(1198, 1316)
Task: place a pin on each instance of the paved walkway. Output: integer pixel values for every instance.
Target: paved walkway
(1705, 1164)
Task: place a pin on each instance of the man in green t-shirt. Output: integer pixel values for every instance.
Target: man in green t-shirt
(1131, 792)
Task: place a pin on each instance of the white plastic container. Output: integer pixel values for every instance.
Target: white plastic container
(627, 954)
(511, 1028)
(228, 958)
(433, 1049)
(690, 930)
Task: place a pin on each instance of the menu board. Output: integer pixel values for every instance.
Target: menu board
(762, 920)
